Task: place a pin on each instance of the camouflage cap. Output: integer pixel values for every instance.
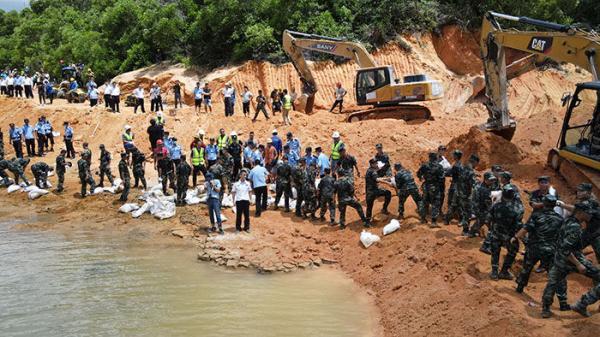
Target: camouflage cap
(506, 175)
(474, 158)
(457, 153)
(543, 179)
(496, 168)
(587, 187)
(489, 176)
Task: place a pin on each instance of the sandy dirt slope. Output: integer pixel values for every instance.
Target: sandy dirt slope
(425, 282)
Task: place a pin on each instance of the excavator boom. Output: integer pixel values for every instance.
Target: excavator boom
(562, 44)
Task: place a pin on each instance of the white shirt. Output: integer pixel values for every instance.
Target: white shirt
(228, 92)
(339, 93)
(139, 93)
(10, 81)
(246, 96)
(242, 190)
(108, 89)
(116, 91)
(154, 92)
(27, 81)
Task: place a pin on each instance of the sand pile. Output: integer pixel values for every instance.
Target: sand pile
(490, 148)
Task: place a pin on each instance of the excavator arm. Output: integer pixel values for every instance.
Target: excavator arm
(295, 43)
(561, 43)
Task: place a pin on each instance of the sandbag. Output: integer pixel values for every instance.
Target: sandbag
(168, 210)
(36, 193)
(393, 226)
(29, 188)
(445, 164)
(111, 190)
(13, 188)
(227, 201)
(127, 208)
(496, 197)
(191, 197)
(368, 239)
(294, 193)
(143, 209)
(98, 190)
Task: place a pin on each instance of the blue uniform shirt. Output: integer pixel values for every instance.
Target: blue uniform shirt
(47, 127)
(175, 151)
(212, 152)
(310, 160)
(323, 162)
(277, 143)
(40, 128)
(212, 193)
(258, 176)
(292, 158)
(68, 132)
(294, 145)
(15, 134)
(28, 131)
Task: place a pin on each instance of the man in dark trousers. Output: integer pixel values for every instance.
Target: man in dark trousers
(183, 179)
(373, 191)
(40, 172)
(139, 165)
(125, 177)
(104, 169)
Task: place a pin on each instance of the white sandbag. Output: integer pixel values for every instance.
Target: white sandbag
(272, 187)
(496, 197)
(50, 174)
(117, 182)
(203, 198)
(380, 164)
(98, 190)
(223, 217)
(227, 201)
(294, 193)
(292, 204)
(201, 189)
(127, 208)
(168, 210)
(13, 188)
(143, 209)
(55, 133)
(30, 188)
(270, 201)
(111, 190)
(253, 199)
(368, 239)
(445, 163)
(191, 197)
(36, 193)
(393, 226)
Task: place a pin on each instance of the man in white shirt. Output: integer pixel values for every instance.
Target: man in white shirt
(246, 99)
(107, 92)
(139, 99)
(115, 97)
(339, 97)
(228, 99)
(93, 96)
(241, 192)
(155, 98)
(28, 85)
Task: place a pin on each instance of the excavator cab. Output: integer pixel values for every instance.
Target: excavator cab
(368, 80)
(580, 136)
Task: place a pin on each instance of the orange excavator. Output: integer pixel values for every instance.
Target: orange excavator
(375, 85)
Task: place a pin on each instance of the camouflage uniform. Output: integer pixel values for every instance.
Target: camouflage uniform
(227, 175)
(1, 146)
(344, 188)
(504, 222)
(184, 170)
(3, 166)
(455, 173)
(105, 168)
(85, 176)
(17, 167)
(591, 235)
(298, 179)
(327, 197)
(542, 229)
(373, 192)
(138, 159)
(569, 242)
(346, 164)
(481, 203)
(40, 174)
(433, 175)
(235, 150)
(167, 174)
(405, 186)
(61, 167)
(283, 184)
(310, 194)
(125, 177)
(386, 170)
(460, 197)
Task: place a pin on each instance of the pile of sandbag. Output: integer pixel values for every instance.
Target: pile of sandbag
(115, 188)
(33, 192)
(156, 203)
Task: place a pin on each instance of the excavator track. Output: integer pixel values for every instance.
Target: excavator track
(407, 112)
(572, 172)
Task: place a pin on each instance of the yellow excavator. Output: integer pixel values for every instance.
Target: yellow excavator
(577, 154)
(375, 85)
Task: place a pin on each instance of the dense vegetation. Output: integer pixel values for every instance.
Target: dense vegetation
(114, 36)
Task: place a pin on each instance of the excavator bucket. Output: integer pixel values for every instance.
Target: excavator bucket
(506, 133)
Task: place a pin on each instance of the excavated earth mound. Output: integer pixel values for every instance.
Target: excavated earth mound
(490, 148)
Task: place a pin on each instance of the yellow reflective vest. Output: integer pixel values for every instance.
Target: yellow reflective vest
(335, 150)
(197, 156)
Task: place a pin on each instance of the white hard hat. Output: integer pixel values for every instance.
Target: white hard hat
(269, 140)
(274, 131)
(127, 127)
(159, 113)
(335, 134)
(233, 133)
(201, 132)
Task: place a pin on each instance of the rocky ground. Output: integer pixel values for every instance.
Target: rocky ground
(425, 282)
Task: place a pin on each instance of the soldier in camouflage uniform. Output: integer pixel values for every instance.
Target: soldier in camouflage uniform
(405, 187)
(505, 223)
(125, 177)
(85, 176)
(348, 164)
(3, 167)
(61, 168)
(541, 230)
(344, 188)
(569, 258)
(327, 196)
(1, 145)
(298, 180)
(382, 157)
(40, 172)
(105, 167)
(139, 162)
(283, 183)
(88, 153)
(373, 191)
(166, 170)
(184, 170)
(481, 203)
(463, 190)
(455, 173)
(310, 193)
(432, 174)
(536, 197)
(506, 179)
(17, 167)
(227, 163)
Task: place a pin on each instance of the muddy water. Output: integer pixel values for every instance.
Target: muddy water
(88, 284)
